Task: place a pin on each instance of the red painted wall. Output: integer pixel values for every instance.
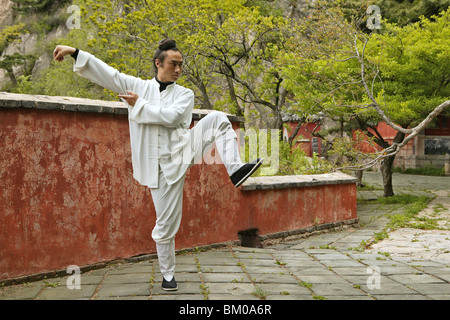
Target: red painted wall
(67, 196)
(305, 132)
(388, 134)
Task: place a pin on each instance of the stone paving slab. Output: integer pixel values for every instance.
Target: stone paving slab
(62, 293)
(284, 289)
(329, 266)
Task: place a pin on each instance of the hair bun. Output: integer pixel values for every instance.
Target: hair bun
(167, 44)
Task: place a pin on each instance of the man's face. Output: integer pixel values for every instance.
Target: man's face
(170, 70)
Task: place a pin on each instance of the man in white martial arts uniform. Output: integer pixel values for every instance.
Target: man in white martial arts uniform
(163, 147)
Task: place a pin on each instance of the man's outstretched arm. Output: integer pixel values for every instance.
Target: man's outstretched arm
(94, 69)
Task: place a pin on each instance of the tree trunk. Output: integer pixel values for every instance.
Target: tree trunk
(206, 102)
(386, 168)
(295, 131)
(204, 99)
(386, 172)
(233, 96)
(11, 75)
(359, 176)
(278, 124)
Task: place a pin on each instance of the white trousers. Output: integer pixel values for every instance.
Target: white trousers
(168, 199)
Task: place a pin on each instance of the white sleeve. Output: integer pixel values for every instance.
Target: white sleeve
(169, 116)
(92, 68)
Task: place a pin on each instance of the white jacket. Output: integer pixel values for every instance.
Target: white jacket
(159, 122)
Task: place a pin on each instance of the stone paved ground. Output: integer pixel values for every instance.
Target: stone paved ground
(410, 264)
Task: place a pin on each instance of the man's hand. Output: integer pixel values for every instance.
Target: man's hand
(130, 98)
(61, 51)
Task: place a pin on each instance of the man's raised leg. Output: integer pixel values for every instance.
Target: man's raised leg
(216, 127)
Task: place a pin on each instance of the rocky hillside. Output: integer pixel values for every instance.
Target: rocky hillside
(6, 13)
(39, 29)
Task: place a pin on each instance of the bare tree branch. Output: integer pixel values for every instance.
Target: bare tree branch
(393, 149)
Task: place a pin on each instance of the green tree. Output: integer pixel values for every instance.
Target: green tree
(13, 60)
(8, 36)
(399, 76)
(414, 66)
(246, 48)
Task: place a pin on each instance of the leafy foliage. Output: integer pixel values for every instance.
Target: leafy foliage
(294, 161)
(414, 63)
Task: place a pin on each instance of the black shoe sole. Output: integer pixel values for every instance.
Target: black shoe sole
(170, 289)
(257, 165)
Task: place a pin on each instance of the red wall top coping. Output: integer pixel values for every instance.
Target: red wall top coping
(297, 181)
(17, 100)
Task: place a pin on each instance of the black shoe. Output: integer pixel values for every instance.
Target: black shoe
(169, 285)
(245, 171)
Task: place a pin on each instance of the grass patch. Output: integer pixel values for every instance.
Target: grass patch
(402, 210)
(204, 290)
(367, 187)
(403, 199)
(425, 224)
(412, 206)
(260, 293)
(426, 170)
(306, 285)
(439, 208)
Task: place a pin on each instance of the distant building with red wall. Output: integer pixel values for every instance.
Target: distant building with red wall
(304, 138)
(427, 148)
